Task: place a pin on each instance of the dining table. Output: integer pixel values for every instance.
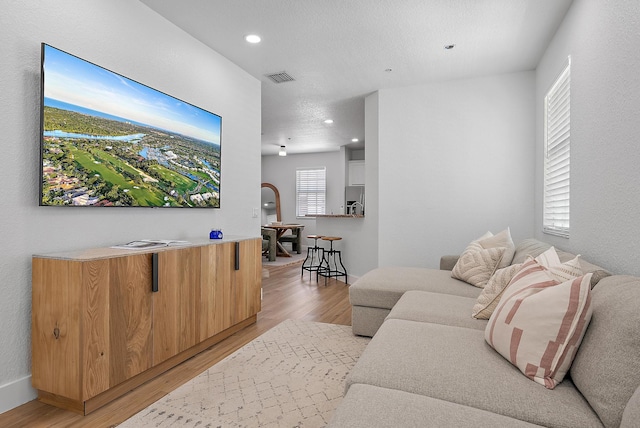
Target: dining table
(281, 229)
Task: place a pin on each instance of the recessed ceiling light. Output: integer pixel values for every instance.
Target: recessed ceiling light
(252, 38)
(449, 47)
(328, 121)
(354, 140)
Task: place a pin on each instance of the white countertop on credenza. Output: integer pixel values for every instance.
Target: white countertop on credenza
(110, 252)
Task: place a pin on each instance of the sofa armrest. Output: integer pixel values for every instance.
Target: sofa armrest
(448, 262)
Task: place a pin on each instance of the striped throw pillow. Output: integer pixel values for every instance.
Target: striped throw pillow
(540, 321)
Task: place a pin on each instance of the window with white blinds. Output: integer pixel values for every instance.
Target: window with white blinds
(557, 138)
(311, 189)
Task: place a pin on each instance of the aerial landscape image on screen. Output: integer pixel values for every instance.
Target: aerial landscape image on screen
(110, 141)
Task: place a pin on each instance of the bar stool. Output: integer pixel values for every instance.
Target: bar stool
(329, 265)
(314, 257)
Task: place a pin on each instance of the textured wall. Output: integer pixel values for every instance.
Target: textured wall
(127, 37)
(456, 160)
(602, 39)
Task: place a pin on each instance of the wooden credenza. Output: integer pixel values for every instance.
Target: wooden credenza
(106, 320)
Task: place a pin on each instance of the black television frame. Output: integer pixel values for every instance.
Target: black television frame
(179, 167)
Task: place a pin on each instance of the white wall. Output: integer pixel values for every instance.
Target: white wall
(602, 39)
(281, 172)
(127, 37)
(456, 160)
(359, 244)
(445, 162)
(371, 242)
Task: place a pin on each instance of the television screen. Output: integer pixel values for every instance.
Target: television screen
(110, 141)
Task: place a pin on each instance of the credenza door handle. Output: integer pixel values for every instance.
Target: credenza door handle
(154, 270)
(237, 264)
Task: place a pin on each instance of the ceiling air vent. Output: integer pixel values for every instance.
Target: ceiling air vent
(280, 77)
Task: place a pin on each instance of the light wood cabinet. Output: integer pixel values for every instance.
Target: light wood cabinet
(176, 303)
(99, 328)
(216, 299)
(246, 275)
(230, 291)
(117, 321)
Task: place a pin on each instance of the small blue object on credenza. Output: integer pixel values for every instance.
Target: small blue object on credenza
(215, 234)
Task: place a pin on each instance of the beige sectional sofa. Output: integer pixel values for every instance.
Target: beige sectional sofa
(429, 365)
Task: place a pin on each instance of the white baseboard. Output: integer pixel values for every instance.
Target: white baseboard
(16, 393)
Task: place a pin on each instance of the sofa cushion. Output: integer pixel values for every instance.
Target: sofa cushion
(438, 308)
(529, 247)
(366, 320)
(534, 248)
(597, 274)
(383, 287)
(631, 414)
(606, 368)
(366, 406)
(540, 322)
(492, 292)
(456, 364)
(448, 261)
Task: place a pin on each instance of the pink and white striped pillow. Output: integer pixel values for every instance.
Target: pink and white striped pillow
(540, 322)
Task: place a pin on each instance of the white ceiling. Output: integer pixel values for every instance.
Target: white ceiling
(338, 52)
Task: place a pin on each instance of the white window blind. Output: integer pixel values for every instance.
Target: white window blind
(557, 138)
(311, 185)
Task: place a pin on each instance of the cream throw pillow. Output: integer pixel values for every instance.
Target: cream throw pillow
(478, 261)
(561, 271)
(540, 321)
(476, 264)
(491, 293)
(501, 240)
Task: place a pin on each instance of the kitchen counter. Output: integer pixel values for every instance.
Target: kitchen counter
(337, 216)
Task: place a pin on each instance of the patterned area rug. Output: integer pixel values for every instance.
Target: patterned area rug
(291, 376)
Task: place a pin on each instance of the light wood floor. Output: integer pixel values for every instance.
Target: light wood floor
(285, 296)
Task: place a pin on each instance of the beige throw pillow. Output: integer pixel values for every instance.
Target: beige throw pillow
(540, 321)
(560, 271)
(491, 293)
(479, 260)
(501, 240)
(476, 264)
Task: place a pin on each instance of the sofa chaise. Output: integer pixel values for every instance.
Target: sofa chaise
(429, 364)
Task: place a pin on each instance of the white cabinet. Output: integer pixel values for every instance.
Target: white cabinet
(356, 173)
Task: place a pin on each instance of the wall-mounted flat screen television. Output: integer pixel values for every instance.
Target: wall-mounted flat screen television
(108, 141)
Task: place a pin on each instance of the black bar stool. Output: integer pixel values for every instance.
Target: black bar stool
(314, 257)
(329, 265)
